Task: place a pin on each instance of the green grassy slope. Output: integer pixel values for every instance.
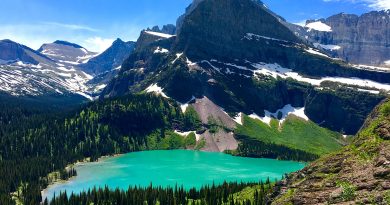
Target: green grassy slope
(356, 174)
(294, 133)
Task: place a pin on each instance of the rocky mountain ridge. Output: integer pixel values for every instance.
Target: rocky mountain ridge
(356, 39)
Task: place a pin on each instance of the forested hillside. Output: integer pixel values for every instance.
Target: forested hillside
(33, 144)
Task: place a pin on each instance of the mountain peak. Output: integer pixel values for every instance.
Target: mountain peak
(111, 58)
(222, 25)
(8, 41)
(118, 41)
(167, 29)
(66, 43)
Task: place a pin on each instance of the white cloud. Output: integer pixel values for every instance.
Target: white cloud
(375, 4)
(381, 4)
(71, 26)
(98, 44)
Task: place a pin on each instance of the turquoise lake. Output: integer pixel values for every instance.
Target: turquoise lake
(168, 168)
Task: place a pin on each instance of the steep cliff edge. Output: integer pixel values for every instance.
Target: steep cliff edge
(358, 174)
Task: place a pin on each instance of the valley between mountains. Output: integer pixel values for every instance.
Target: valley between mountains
(230, 77)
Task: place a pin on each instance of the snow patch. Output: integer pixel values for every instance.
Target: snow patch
(368, 67)
(154, 88)
(327, 47)
(85, 95)
(266, 119)
(89, 77)
(238, 118)
(190, 63)
(68, 75)
(251, 36)
(163, 35)
(185, 134)
(276, 70)
(84, 50)
(178, 55)
(184, 106)
(369, 91)
(69, 62)
(100, 87)
(312, 51)
(318, 26)
(284, 113)
(86, 58)
(160, 50)
(65, 69)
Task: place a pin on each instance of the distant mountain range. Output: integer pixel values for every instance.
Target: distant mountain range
(58, 68)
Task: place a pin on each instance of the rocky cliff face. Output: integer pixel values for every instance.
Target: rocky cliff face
(356, 39)
(358, 174)
(11, 52)
(217, 29)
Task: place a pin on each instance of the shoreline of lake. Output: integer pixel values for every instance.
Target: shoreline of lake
(198, 161)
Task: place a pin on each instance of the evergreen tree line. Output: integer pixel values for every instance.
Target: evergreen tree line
(257, 149)
(226, 193)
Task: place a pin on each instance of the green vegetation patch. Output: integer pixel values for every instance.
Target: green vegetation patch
(190, 140)
(348, 191)
(201, 144)
(294, 133)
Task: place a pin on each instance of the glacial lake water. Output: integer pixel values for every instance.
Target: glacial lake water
(168, 168)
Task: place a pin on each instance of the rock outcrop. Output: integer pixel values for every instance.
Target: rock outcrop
(11, 51)
(167, 29)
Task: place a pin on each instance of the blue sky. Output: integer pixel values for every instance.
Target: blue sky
(94, 24)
